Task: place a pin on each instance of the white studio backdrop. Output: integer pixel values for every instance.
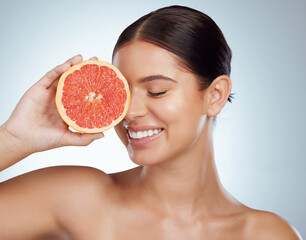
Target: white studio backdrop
(259, 138)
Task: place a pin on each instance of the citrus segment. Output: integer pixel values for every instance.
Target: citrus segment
(92, 96)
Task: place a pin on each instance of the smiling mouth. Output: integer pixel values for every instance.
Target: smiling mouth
(143, 134)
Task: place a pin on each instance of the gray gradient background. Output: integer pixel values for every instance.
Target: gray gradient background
(259, 139)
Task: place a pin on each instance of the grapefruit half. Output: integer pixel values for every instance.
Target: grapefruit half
(92, 96)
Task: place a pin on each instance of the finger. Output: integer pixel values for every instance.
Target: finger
(53, 75)
(80, 139)
(56, 72)
(93, 58)
(53, 85)
(74, 60)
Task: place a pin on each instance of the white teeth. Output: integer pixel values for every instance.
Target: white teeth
(139, 135)
(133, 135)
(143, 134)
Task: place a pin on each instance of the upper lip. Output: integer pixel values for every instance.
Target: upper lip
(141, 128)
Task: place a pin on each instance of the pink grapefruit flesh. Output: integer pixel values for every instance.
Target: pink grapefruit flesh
(92, 96)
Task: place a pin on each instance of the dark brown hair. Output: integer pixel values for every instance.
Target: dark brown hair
(189, 34)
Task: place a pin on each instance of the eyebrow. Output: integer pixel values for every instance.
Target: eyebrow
(156, 77)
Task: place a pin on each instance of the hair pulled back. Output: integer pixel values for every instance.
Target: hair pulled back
(189, 34)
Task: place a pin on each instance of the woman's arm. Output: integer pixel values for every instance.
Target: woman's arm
(11, 149)
(35, 124)
(53, 203)
(29, 204)
(26, 210)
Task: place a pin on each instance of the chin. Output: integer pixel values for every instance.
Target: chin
(145, 162)
(143, 159)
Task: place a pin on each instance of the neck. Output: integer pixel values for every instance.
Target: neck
(184, 185)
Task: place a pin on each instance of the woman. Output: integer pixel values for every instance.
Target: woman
(177, 63)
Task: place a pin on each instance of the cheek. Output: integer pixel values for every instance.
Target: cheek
(183, 116)
(180, 110)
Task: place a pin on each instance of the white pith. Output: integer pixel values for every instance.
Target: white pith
(143, 134)
(92, 96)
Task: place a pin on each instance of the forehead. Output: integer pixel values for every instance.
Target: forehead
(139, 59)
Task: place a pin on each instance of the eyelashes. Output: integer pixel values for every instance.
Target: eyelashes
(156, 94)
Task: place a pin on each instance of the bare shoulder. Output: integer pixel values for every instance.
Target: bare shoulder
(52, 200)
(270, 226)
(59, 176)
(64, 182)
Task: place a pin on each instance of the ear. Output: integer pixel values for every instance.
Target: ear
(217, 95)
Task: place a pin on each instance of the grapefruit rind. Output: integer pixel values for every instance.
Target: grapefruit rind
(62, 110)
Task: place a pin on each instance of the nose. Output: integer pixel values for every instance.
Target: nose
(137, 106)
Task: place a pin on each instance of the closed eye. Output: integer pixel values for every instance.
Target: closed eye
(155, 94)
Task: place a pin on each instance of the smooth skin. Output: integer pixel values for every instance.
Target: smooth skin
(175, 193)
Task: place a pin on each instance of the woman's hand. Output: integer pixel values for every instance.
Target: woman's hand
(35, 124)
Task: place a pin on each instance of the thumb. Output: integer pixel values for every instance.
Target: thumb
(80, 139)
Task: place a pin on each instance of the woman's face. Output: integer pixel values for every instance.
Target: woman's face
(167, 110)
